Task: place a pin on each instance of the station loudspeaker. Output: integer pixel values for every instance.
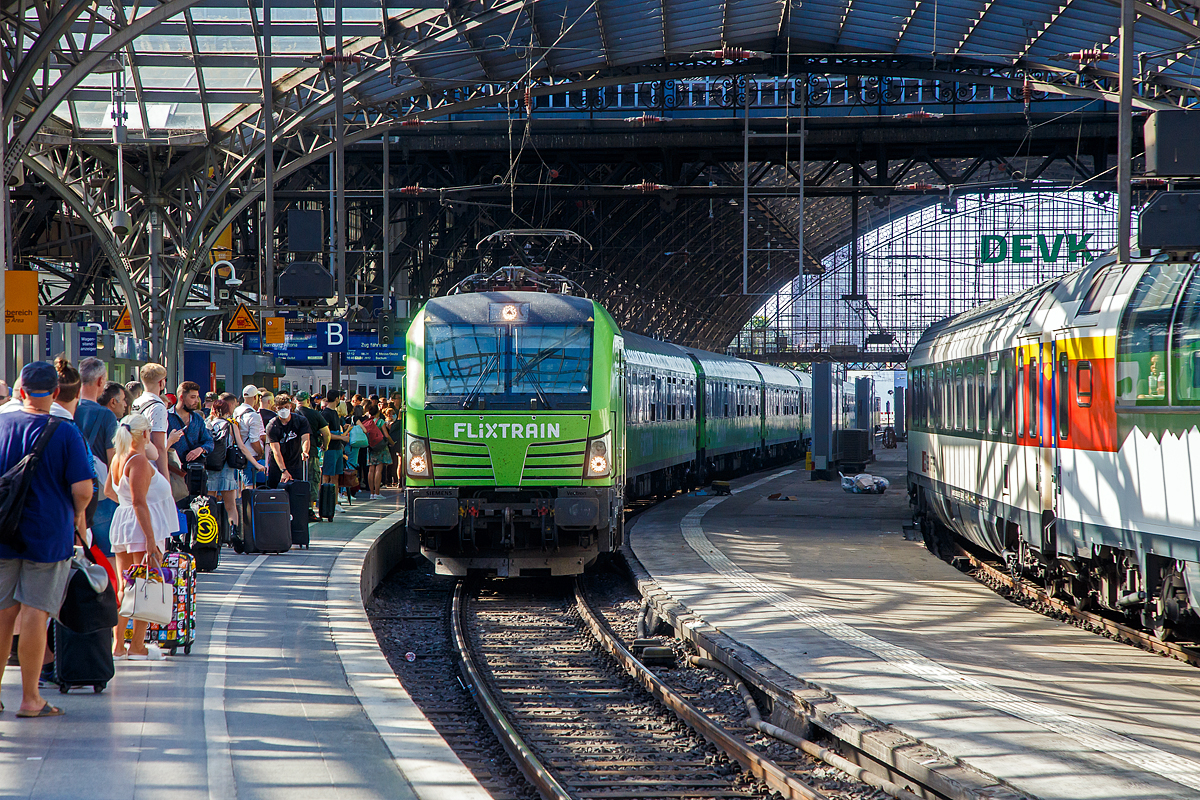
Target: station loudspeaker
(305, 280)
(387, 330)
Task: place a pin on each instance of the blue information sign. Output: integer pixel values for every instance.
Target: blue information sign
(310, 348)
(88, 343)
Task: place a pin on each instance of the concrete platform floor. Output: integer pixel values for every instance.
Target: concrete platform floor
(260, 709)
(827, 588)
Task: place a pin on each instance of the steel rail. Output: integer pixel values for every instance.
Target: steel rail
(525, 759)
(763, 768)
(1039, 595)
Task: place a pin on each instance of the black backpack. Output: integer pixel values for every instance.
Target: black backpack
(14, 489)
(215, 461)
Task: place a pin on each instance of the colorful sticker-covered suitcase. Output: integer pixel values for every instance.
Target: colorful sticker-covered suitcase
(180, 569)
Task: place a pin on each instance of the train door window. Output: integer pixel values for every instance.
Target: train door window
(1006, 383)
(1185, 347)
(959, 392)
(969, 416)
(1083, 384)
(1143, 338)
(1020, 394)
(1033, 424)
(981, 386)
(1064, 396)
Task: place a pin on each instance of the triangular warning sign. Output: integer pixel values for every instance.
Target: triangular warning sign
(124, 323)
(243, 321)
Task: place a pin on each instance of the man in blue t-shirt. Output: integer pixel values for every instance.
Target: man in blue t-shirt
(33, 582)
(98, 426)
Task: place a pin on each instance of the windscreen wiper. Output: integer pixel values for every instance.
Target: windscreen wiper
(527, 369)
(478, 387)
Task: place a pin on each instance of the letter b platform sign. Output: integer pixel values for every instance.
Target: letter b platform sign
(334, 337)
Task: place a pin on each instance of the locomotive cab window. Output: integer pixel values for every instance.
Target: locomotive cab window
(1143, 339)
(1185, 347)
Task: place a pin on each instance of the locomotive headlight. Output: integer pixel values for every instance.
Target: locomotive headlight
(418, 457)
(510, 313)
(598, 460)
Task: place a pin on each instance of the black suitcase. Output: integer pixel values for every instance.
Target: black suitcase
(82, 659)
(266, 521)
(206, 517)
(327, 501)
(299, 494)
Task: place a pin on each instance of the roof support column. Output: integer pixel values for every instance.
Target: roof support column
(1125, 132)
(746, 194)
(267, 291)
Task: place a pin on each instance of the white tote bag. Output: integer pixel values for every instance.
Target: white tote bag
(150, 599)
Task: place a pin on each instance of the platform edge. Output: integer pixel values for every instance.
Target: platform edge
(910, 757)
(430, 768)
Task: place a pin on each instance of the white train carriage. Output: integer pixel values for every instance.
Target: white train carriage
(1058, 428)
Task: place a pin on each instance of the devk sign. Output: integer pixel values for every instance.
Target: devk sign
(1027, 248)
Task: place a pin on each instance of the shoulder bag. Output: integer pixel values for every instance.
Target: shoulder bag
(150, 599)
(234, 456)
(14, 489)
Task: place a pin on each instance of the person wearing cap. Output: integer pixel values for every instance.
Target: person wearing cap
(34, 572)
(319, 433)
(250, 425)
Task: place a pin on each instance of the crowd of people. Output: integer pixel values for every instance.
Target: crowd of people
(131, 455)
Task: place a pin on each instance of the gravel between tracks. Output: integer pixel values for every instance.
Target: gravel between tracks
(410, 614)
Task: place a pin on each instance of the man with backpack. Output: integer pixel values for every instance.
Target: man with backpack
(288, 434)
(196, 442)
(151, 406)
(251, 426)
(319, 431)
(39, 517)
(98, 426)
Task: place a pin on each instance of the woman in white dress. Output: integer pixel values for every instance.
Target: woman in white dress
(146, 516)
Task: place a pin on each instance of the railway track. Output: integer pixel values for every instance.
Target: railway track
(541, 667)
(1000, 580)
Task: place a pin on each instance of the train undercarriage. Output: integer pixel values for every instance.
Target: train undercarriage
(511, 532)
(1157, 593)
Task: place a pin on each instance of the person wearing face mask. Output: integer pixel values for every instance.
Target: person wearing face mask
(288, 435)
(145, 518)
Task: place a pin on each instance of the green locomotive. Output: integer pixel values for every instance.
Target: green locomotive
(518, 453)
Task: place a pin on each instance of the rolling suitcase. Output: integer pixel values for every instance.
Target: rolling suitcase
(266, 521)
(327, 501)
(299, 500)
(180, 569)
(206, 517)
(82, 659)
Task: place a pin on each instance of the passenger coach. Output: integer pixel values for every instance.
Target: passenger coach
(1057, 428)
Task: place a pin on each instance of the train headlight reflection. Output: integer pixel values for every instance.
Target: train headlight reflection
(598, 464)
(418, 457)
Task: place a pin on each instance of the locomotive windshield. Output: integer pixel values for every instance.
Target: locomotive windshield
(506, 366)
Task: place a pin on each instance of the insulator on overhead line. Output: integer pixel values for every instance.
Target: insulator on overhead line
(1089, 54)
(413, 189)
(645, 119)
(919, 186)
(730, 54)
(343, 59)
(412, 123)
(922, 114)
(646, 186)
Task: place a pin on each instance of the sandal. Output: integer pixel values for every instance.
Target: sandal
(45, 711)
